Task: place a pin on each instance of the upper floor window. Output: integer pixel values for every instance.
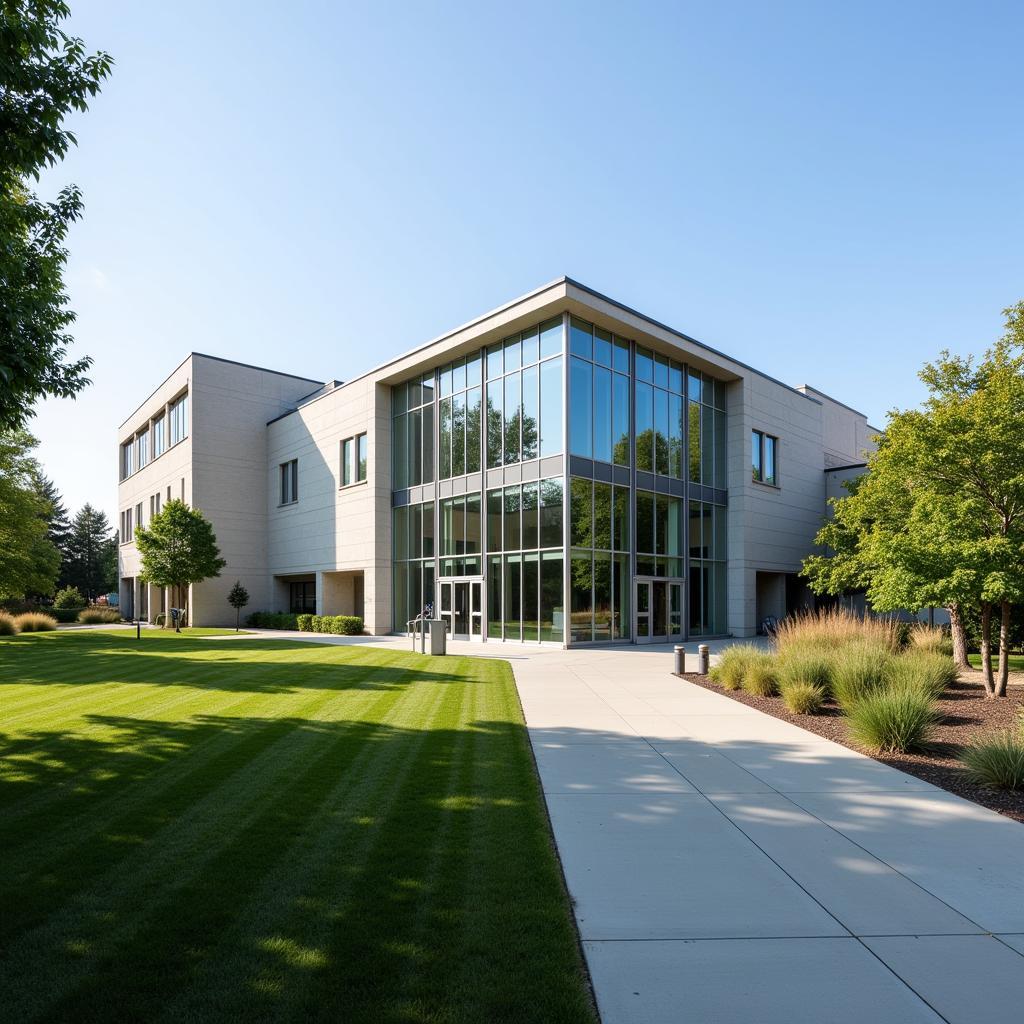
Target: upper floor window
(126, 526)
(289, 482)
(459, 417)
(178, 414)
(599, 396)
(159, 438)
(524, 396)
(764, 449)
(707, 431)
(127, 459)
(659, 414)
(353, 460)
(142, 448)
(412, 432)
(138, 517)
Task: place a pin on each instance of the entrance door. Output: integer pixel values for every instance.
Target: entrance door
(460, 604)
(659, 610)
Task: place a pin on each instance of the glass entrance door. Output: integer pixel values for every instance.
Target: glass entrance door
(460, 604)
(659, 610)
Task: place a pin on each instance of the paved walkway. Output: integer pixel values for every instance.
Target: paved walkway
(726, 866)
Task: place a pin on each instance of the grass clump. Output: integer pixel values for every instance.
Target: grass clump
(806, 665)
(834, 628)
(857, 670)
(91, 616)
(733, 665)
(997, 761)
(894, 719)
(931, 640)
(762, 677)
(35, 622)
(8, 624)
(803, 698)
(928, 672)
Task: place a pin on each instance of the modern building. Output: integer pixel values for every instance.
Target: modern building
(560, 470)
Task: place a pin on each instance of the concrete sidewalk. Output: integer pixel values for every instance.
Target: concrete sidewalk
(726, 866)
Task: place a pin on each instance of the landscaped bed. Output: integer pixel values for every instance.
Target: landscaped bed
(209, 830)
(891, 692)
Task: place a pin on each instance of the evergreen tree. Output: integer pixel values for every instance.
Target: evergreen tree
(88, 552)
(58, 525)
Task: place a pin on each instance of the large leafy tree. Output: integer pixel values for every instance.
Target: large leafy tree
(939, 516)
(29, 561)
(44, 75)
(178, 548)
(88, 564)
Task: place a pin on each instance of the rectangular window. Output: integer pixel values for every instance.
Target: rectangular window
(362, 456)
(302, 598)
(142, 448)
(158, 437)
(763, 457)
(580, 407)
(354, 458)
(127, 459)
(138, 516)
(289, 482)
(347, 448)
(179, 419)
(550, 406)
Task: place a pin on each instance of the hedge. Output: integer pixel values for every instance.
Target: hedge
(345, 625)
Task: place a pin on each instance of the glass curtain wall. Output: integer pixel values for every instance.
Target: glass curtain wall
(659, 414)
(659, 534)
(599, 568)
(599, 394)
(412, 432)
(524, 396)
(707, 455)
(413, 566)
(524, 561)
(460, 535)
(708, 533)
(458, 446)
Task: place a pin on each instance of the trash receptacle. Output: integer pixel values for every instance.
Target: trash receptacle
(438, 636)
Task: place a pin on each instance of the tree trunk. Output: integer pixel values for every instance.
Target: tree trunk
(986, 648)
(956, 628)
(1004, 648)
(238, 615)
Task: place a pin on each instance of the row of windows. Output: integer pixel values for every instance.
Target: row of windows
(763, 450)
(150, 442)
(131, 518)
(524, 597)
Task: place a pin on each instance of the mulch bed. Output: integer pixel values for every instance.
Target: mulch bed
(967, 715)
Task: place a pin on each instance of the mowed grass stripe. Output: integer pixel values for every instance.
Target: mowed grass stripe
(311, 836)
(198, 904)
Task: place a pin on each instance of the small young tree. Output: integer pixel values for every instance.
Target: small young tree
(178, 548)
(238, 598)
(69, 597)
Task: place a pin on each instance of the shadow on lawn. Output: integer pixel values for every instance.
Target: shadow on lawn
(205, 664)
(248, 868)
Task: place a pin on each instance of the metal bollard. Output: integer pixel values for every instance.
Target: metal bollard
(703, 659)
(680, 655)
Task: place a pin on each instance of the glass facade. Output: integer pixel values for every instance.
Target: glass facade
(562, 558)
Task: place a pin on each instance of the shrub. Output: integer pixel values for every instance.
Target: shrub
(928, 673)
(732, 665)
(857, 670)
(761, 678)
(65, 615)
(91, 616)
(304, 622)
(893, 719)
(69, 597)
(806, 665)
(35, 622)
(828, 630)
(273, 620)
(8, 625)
(931, 640)
(996, 761)
(803, 698)
(344, 625)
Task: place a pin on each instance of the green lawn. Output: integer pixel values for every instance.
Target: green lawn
(1016, 661)
(257, 829)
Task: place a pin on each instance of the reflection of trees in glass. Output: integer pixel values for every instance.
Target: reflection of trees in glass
(652, 451)
(494, 424)
(694, 442)
(473, 431)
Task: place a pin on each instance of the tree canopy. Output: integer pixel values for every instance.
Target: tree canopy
(90, 546)
(45, 74)
(938, 518)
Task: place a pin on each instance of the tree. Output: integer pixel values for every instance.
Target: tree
(29, 562)
(44, 75)
(238, 598)
(939, 516)
(69, 597)
(178, 548)
(88, 562)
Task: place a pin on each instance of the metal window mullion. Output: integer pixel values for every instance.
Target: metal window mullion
(566, 592)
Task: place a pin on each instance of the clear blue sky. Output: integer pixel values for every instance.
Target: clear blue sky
(830, 192)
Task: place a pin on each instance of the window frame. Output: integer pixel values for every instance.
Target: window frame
(351, 462)
(760, 442)
(288, 480)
